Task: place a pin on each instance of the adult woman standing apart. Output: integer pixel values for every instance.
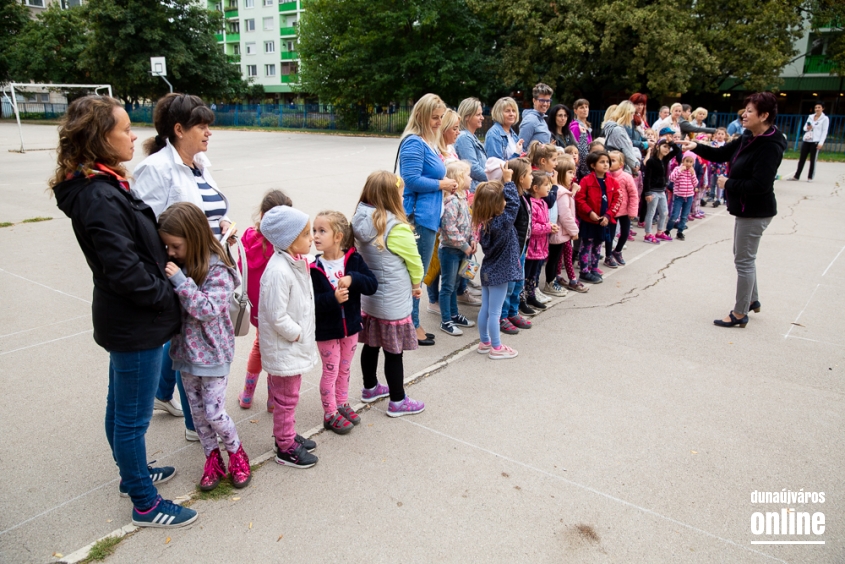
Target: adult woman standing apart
(749, 190)
(559, 120)
(135, 310)
(815, 133)
(534, 127)
(424, 175)
(583, 133)
(468, 147)
(177, 170)
(501, 140)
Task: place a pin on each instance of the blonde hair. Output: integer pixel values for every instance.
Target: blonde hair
(520, 167)
(450, 118)
(608, 114)
(502, 104)
(624, 114)
(564, 165)
(459, 172)
(488, 202)
(538, 151)
(186, 221)
(673, 106)
(618, 155)
(339, 224)
(570, 150)
(420, 121)
(697, 110)
(383, 191)
(468, 108)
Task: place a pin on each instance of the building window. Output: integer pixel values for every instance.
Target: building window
(249, 25)
(252, 70)
(35, 3)
(233, 5)
(289, 68)
(269, 46)
(70, 4)
(251, 49)
(268, 24)
(236, 49)
(268, 2)
(249, 3)
(290, 46)
(234, 26)
(270, 70)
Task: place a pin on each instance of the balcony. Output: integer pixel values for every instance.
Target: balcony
(818, 64)
(290, 78)
(233, 37)
(229, 14)
(218, 37)
(287, 32)
(233, 58)
(290, 56)
(287, 7)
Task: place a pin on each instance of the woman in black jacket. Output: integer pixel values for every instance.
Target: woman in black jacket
(558, 120)
(135, 310)
(753, 160)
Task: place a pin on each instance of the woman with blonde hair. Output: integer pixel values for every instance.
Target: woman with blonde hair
(501, 140)
(449, 131)
(468, 147)
(617, 137)
(424, 175)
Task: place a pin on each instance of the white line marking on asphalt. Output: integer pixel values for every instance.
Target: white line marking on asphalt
(813, 340)
(801, 312)
(591, 490)
(44, 286)
(46, 342)
(43, 326)
(833, 261)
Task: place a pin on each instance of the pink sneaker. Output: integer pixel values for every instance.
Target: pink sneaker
(598, 270)
(369, 396)
(632, 232)
(641, 224)
(690, 217)
(214, 471)
(700, 215)
(239, 468)
(502, 353)
(407, 406)
(664, 237)
(649, 238)
(632, 237)
(484, 348)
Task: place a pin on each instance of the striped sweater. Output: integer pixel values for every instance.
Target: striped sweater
(685, 182)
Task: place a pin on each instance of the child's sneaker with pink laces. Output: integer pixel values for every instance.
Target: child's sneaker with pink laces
(664, 237)
(372, 394)
(502, 353)
(484, 348)
(650, 238)
(407, 406)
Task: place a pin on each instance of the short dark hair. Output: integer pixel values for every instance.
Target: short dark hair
(764, 103)
(542, 89)
(593, 158)
(686, 107)
(818, 103)
(185, 109)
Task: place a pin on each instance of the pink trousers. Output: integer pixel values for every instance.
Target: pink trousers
(337, 360)
(284, 392)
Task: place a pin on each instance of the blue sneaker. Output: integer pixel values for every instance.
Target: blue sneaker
(157, 475)
(164, 514)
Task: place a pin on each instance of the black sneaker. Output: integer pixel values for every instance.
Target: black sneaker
(297, 458)
(300, 440)
(535, 303)
(157, 475)
(680, 236)
(524, 309)
(591, 278)
(462, 321)
(450, 328)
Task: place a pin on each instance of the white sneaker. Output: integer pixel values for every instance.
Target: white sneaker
(193, 437)
(433, 308)
(173, 407)
(541, 297)
(474, 291)
(468, 299)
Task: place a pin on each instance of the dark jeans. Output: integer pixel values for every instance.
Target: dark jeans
(167, 380)
(681, 207)
(425, 246)
(511, 306)
(533, 267)
(808, 149)
(450, 262)
(553, 262)
(133, 378)
(624, 230)
(394, 372)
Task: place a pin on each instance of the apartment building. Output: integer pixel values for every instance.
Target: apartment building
(261, 37)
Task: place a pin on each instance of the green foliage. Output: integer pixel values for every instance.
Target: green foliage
(124, 34)
(102, 549)
(49, 47)
(13, 18)
(654, 46)
(829, 15)
(357, 52)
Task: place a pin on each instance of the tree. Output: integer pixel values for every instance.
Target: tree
(359, 52)
(654, 46)
(830, 16)
(14, 17)
(49, 48)
(124, 34)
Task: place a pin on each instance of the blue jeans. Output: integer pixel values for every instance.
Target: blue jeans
(450, 262)
(434, 289)
(167, 379)
(133, 378)
(511, 305)
(681, 206)
(492, 298)
(425, 246)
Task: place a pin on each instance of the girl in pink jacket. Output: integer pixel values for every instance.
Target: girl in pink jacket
(258, 252)
(538, 243)
(628, 207)
(560, 243)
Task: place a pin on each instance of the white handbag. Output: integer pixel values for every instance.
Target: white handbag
(239, 307)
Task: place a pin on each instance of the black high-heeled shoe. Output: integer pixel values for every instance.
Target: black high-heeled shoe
(755, 306)
(742, 322)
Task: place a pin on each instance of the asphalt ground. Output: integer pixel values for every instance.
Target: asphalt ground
(629, 429)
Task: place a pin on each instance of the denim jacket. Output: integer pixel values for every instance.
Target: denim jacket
(469, 149)
(496, 142)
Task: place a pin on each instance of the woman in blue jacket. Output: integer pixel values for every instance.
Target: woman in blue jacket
(501, 140)
(467, 145)
(425, 178)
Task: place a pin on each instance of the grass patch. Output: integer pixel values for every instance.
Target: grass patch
(36, 219)
(822, 157)
(6, 224)
(223, 490)
(102, 549)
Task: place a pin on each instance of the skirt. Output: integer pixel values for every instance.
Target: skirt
(393, 336)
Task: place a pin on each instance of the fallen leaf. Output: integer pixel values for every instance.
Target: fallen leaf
(517, 488)
(505, 475)
(398, 504)
(236, 499)
(250, 524)
(108, 520)
(370, 425)
(57, 555)
(280, 538)
(253, 420)
(694, 451)
(167, 540)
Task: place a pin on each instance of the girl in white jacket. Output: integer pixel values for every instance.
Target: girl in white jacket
(560, 243)
(286, 325)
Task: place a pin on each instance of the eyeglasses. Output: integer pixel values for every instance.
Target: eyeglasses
(544, 100)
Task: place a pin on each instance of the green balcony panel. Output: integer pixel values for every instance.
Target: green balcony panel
(287, 7)
(233, 58)
(218, 37)
(233, 37)
(231, 14)
(290, 78)
(290, 55)
(287, 31)
(818, 64)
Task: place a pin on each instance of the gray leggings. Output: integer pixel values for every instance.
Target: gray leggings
(658, 203)
(747, 234)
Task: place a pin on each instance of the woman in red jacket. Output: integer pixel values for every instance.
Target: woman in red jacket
(596, 204)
